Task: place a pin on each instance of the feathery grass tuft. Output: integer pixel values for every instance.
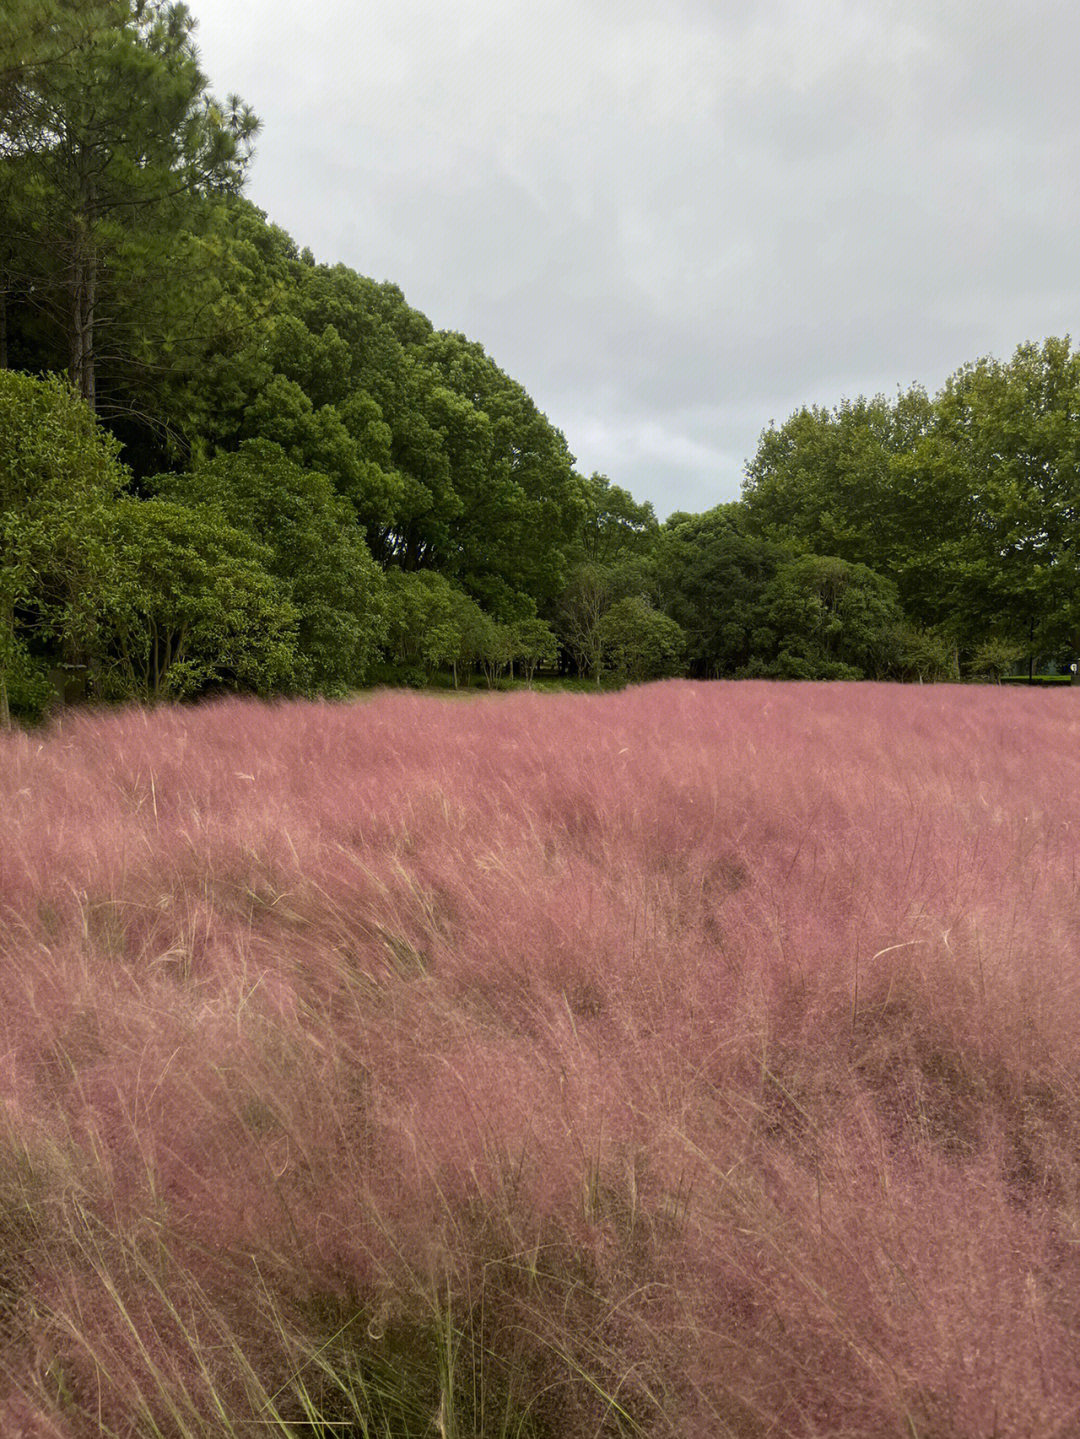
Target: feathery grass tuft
(698, 1060)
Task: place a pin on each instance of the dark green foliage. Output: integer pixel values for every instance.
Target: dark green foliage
(373, 496)
(638, 643)
(821, 618)
(826, 480)
(59, 481)
(102, 134)
(923, 654)
(612, 559)
(1010, 452)
(432, 625)
(614, 524)
(314, 550)
(713, 577)
(519, 501)
(968, 502)
(195, 607)
(117, 596)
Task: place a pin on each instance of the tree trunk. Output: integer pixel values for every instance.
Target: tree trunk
(1031, 650)
(3, 329)
(83, 301)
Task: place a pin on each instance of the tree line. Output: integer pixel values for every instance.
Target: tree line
(223, 465)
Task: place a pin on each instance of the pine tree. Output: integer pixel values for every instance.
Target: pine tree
(105, 123)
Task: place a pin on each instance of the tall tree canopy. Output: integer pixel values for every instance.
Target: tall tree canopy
(1007, 457)
(968, 502)
(712, 576)
(378, 496)
(108, 124)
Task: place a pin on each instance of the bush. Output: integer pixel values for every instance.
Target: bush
(194, 607)
(312, 546)
(639, 643)
(994, 658)
(29, 690)
(59, 478)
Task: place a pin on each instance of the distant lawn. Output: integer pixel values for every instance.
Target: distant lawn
(696, 1060)
(1037, 680)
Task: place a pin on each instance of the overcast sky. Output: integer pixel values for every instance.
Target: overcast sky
(676, 220)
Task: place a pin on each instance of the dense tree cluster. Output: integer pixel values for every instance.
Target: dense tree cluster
(224, 465)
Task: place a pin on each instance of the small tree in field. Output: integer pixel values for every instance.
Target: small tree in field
(195, 607)
(470, 623)
(923, 654)
(639, 643)
(496, 649)
(432, 625)
(440, 648)
(534, 645)
(581, 609)
(995, 658)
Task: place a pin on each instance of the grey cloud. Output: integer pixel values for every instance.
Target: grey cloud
(673, 223)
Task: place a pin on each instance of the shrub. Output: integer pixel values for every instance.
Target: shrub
(312, 547)
(994, 658)
(59, 477)
(639, 643)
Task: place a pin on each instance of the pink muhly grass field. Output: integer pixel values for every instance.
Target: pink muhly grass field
(699, 1060)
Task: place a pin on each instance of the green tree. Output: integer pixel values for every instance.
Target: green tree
(822, 618)
(824, 481)
(534, 645)
(195, 608)
(59, 480)
(994, 658)
(923, 654)
(1009, 437)
(314, 549)
(520, 501)
(457, 629)
(712, 577)
(582, 605)
(614, 525)
(969, 503)
(495, 649)
(431, 624)
(640, 643)
(469, 626)
(95, 144)
(40, 41)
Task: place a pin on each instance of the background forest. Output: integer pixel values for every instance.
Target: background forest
(224, 466)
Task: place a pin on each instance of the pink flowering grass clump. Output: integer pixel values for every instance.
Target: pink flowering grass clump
(698, 1060)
